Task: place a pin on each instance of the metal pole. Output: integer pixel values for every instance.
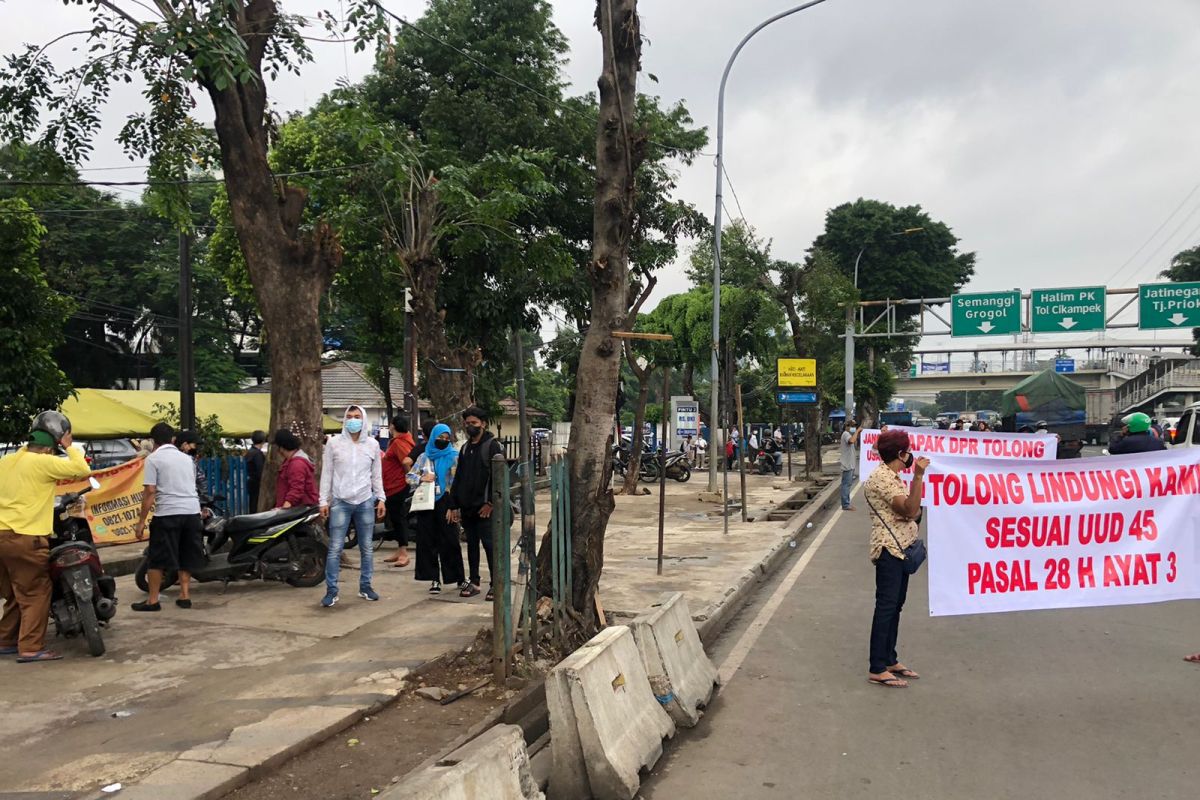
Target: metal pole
(720, 164)
(528, 542)
(662, 467)
(187, 376)
(500, 550)
(741, 438)
(725, 472)
(849, 358)
(410, 366)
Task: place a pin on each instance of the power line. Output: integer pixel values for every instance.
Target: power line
(736, 201)
(1157, 230)
(1170, 238)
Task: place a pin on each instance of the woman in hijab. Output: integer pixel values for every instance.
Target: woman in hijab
(437, 537)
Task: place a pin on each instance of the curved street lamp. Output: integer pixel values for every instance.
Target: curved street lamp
(716, 325)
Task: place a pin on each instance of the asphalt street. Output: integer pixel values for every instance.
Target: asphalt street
(1087, 703)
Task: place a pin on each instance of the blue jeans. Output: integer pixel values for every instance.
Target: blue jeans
(340, 514)
(847, 485)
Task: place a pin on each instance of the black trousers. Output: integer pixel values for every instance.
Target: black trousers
(479, 531)
(397, 514)
(891, 589)
(438, 550)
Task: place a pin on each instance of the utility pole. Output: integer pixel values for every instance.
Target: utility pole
(410, 366)
(187, 376)
(720, 164)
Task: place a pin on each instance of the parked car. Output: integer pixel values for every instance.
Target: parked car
(103, 453)
(923, 422)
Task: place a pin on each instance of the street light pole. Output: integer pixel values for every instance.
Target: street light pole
(715, 365)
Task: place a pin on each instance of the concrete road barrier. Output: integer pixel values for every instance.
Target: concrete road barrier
(493, 766)
(681, 674)
(605, 722)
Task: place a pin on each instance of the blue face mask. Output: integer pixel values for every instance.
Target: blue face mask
(353, 425)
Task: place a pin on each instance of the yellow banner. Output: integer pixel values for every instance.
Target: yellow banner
(797, 372)
(112, 510)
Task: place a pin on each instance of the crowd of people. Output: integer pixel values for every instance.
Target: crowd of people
(360, 485)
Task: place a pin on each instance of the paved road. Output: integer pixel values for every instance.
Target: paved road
(1090, 703)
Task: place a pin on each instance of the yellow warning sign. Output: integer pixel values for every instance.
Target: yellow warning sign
(795, 372)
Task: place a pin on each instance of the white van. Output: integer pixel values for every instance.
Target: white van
(1187, 429)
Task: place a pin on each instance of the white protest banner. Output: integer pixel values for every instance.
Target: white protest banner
(1026, 535)
(948, 446)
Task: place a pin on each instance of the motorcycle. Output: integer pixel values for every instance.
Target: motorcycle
(283, 544)
(677, 467)
(765, 462)
(647, 466)
(83, 597)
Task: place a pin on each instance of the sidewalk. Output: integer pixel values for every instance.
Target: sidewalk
(257, 671)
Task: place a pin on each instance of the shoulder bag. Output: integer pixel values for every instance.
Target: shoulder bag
(914, 554)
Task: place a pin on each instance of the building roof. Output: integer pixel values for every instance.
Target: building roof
(510, 408)
(345, 383)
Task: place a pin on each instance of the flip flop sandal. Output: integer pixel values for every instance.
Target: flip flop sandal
(890, 683)
(491, 595)
(905, 672)
(470, 590)
(42, 655)
(1192, 659)
(8, 651)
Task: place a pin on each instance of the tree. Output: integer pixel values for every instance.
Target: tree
(32, 316)
(227, 50)
(900, 252)
(1185, 266)
(620, 148)
(460, 114)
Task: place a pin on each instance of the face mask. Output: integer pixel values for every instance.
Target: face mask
(907, 460)
(441, 444)
(353, 425)
(474, 430)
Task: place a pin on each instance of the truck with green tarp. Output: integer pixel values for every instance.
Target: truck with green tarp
(1051, 398)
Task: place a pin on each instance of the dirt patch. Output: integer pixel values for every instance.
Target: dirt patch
(376, 753)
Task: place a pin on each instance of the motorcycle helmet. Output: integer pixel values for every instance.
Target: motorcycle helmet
(54, 423)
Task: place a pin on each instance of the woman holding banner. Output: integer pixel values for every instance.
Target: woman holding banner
(895, 510)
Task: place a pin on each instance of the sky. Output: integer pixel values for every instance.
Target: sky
(1054, 138)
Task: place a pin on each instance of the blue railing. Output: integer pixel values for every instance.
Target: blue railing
(227, 476)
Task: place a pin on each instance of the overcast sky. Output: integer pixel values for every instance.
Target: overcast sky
(1055, 138)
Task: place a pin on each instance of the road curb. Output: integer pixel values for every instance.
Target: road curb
(795, 529)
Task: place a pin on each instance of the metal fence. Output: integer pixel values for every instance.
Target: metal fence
(226, 475)
(560, 542)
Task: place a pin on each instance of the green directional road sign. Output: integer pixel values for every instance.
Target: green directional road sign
(1168, 305)
(1067, 310)
(985, 314)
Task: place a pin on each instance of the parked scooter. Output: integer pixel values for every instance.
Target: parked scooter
(83, 598)
(677, 467)
(647, 466)
(283, 544)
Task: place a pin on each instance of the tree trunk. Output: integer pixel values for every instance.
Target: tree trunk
(618, 154)
(638, 439)
(812, 438)
(448, 370)
(385, 372)
(689, 379)
(291, 269)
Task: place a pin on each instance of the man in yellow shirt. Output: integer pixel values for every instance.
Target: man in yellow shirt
(27, 480)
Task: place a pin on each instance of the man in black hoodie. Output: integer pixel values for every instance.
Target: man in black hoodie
(471, 494)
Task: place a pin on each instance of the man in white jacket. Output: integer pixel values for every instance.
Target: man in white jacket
(351, 488)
